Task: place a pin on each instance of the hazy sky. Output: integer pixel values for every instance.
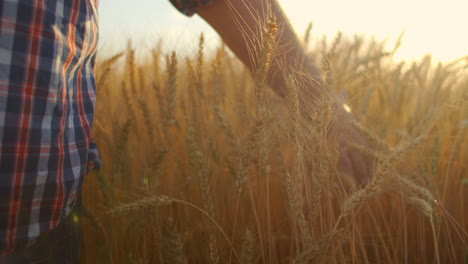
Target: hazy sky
(432, 26)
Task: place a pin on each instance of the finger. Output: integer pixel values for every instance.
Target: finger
(361, 167)
(345, 164)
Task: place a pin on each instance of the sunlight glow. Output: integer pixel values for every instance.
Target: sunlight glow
(347, 108)
(437, 27)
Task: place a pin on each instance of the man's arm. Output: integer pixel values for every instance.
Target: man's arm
(240, 24)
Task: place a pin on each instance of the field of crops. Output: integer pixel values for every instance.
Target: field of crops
(197, 169)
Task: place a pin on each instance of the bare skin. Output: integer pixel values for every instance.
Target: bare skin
(237, 22)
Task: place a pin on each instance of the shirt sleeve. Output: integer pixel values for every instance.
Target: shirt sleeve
(94, 158)
(190, 7)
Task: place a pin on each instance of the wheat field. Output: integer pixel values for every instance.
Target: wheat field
(197, 169)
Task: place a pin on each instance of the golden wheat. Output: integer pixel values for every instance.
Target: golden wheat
(222, 173)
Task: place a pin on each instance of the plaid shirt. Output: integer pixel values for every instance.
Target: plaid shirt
(47, 98)
(189, 7)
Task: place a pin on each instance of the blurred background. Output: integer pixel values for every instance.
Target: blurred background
(188, 125)
(437, 27)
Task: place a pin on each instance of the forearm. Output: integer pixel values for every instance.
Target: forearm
(239, 26)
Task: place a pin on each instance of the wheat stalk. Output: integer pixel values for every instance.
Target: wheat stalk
(172, 88)
(248, 248)
(319, 248)
(174, 245)
(153, 201)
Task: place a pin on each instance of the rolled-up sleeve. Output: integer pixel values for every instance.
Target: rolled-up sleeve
(190, 7)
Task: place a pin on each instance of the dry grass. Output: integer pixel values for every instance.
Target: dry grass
(203, 164)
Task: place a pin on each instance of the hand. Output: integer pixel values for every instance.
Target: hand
(352, 162)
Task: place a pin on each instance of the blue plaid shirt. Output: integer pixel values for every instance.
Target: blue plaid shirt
(47, 99)
(189, 7)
